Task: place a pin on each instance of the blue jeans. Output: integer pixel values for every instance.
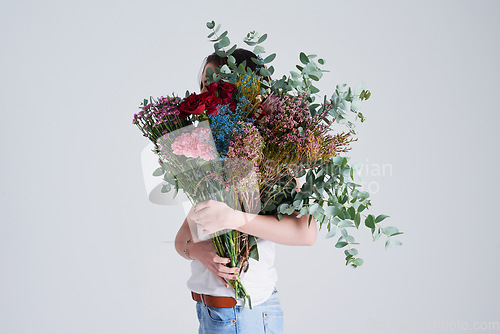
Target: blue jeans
(266, 318)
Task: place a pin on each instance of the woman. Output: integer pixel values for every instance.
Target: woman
(218, 311)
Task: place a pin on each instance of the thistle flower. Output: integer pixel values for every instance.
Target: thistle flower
(158, 117)
(292, 136)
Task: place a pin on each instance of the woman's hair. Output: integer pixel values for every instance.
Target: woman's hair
(239, 55)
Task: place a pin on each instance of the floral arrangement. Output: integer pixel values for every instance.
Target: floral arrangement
(249, 137)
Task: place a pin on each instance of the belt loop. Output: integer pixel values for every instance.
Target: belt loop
(202, 300)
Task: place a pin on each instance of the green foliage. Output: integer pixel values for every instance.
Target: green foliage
(223, 48)
(330, 193)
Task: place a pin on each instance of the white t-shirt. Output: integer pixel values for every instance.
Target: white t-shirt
(261, 277)
(259, 281)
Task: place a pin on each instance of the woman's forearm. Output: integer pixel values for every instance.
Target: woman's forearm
(183, 235)
(290, 230)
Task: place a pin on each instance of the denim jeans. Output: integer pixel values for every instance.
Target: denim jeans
(266, 318)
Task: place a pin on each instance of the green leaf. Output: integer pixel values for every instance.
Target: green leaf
(333, 231)
(210, 25)
(264, 72)
(352, 251)
(390, 230)
(343, 231)
(314, 89)
(321, 61)
(259, 49)
(313, 207)
(262, 38)
(254, 253)
(220, 53)
(331, 211)
(158, 172)
(269, 58)
(352, 212)
(380, 218)
(221, 36)
(357, 220)
(369, 221)
(345, 223)
(344, 162)
(303, 58)
(224, 42)
(358, 262)
(340, 244)
(295, 75)
(390, 243)
(231, 50)
(242, 67)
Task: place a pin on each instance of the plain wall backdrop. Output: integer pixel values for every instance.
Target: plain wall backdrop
(82, 250)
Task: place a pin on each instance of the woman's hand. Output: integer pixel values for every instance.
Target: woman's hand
(212, 216)
(204, 251)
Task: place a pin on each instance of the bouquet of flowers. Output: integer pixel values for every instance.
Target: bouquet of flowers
(248, 138)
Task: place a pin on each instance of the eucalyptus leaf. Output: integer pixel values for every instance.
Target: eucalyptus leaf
(358, 262)
(258, 49)
(390, 230)
(313, 207)
(158, 172)
(224, 42)
(357, 220)
(340, 244)
(331, 211)
(303, 58)
(231, 50)
(380, 218)
(225, 69)
(390, 243)
(264, 72)
(269, 58)
(333, 231)
(369, 221)
(262, 39)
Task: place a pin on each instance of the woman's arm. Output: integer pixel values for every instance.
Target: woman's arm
(203, 251)
(290, 230)
(212, 216)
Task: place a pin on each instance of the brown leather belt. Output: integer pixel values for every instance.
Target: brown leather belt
(213, 300)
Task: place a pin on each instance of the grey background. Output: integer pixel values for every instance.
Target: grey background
(83, 251)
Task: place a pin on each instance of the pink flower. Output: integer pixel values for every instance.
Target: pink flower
(197, 144)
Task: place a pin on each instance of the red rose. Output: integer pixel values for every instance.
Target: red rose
(192, 104)
(213, 88)
(203, 96)
(226, 89)
(230, 102)
(211, 103)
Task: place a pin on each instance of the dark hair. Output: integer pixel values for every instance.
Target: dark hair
(239, 55)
